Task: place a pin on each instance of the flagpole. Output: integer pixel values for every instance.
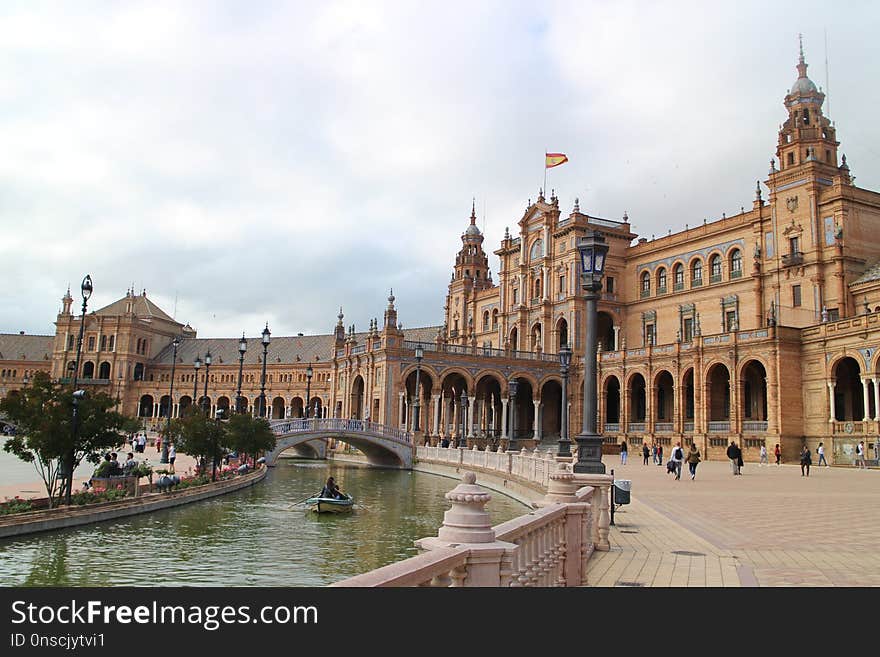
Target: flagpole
(544, 190)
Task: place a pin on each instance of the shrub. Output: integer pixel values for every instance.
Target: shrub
(89, 497)
(15, 505)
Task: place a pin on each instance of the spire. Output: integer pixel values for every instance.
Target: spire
(391, 299)
(339, 317)
(758, 190)
(474, 212)
(802, 65)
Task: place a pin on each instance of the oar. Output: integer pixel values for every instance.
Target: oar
(303, 500)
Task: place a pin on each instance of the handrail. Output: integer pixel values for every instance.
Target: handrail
(307, 425)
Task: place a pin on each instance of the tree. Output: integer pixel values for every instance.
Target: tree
(250, 435)
(199, 436)
(43, 413)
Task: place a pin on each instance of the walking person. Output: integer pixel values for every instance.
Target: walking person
(623, 453)
(645, 453)
(733, 455)
(659, 454)
(172, 454)
(860, 455)
(806, 460)
(654, 459)
(677, 459)
(763, 456)
(693, 458)
(820, 450)
(778, 454)
(739, 460)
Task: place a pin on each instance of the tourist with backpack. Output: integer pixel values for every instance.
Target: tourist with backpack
(693, 458)
(645, 453)
(677, 459)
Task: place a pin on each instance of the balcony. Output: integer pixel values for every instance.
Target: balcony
(612, 427)
(754, 426)
(661, 290)
(793, 258)
(688, 427)
(697, 282)
(636, 427)
(719, 427)
(87, 382)
(678, 287)
(736, 274)
(535, 301)
(645, 294)
(715, 278)
(663, 427)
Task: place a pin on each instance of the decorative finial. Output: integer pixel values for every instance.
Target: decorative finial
(577, 207)
(506, 233)
(540, 193)
(391, 298)
(801, 47)
(772, 165)
(625, 217)
(474, 212)
(340, 315)
(843, 164)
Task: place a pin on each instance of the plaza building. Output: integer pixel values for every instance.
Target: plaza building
(761, 328)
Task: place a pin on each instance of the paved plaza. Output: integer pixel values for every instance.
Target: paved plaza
(768, 527)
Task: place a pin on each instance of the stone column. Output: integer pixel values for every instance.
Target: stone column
(400, 411)
(831, 401)
(536, 426)
(436, 400)
(865, 398)
(876, 399)
(472, 406)
(616, 338)
(504, 401)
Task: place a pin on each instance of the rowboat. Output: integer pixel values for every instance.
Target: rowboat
(330, 504)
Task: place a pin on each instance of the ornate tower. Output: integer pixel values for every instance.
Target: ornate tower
(470, 275)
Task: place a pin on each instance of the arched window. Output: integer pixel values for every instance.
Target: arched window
(715, 268)
(736, 264)
(661, 280)
(697, 273)
(495, 319)
(537, 294)
(646, 283)
(537, 250)
(485, 320)
(678, 277)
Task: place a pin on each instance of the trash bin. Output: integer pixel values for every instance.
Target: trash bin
(622, 488)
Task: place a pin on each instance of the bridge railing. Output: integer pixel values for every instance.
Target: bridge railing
(307, 425)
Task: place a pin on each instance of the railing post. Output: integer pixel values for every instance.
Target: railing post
(468, 524)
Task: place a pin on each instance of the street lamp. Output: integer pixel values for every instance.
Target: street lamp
(164, 457)
(214, 454)
(513, 387)
(564, 441)
(462, 441)
(197, 364)
(266, 337)
(309, 373)
(242, 347)
(593, 250)
(86, 289)
(205, 401)
(420, 353)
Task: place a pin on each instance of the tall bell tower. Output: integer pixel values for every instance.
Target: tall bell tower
(470, 274)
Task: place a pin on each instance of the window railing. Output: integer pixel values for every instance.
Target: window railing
(663, 427)
(612, 427)
(717, 427)
(696, 282)
(794, 258)
(715, 278)
(636, 427)
(756, 426)
(736, 273)
(677, 287)
(645, 293)
(661, 289)
(688, 427)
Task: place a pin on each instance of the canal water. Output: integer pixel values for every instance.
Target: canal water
(255, 537)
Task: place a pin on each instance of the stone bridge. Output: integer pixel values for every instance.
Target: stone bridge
(383, 445)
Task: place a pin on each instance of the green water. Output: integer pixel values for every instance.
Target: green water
(255, 537)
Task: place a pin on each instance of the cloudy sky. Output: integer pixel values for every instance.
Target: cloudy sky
(270, 161)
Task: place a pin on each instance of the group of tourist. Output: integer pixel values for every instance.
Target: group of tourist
(138, 442)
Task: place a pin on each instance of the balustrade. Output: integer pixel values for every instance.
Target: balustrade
(719, 427)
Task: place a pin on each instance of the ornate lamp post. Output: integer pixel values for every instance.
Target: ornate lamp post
(242, 347)
(564, 450)
(513, 387)
(267, 335)
(86, 289)
(164, 457)
(593, 250)
(197, 363)
(462, 440)
(420, 353)
(205, 401)
(309, 373)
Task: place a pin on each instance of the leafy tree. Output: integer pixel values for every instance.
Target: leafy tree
(199, 436)
(250, 435)
(43, 413)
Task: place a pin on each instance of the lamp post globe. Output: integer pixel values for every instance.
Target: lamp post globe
(175, 344)
(564, 450)
(593, 251)
(242, 348)
(267, 335)
(205, 401)
(309, 373)
(86, 289)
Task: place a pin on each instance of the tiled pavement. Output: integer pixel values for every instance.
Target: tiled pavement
(768, 527)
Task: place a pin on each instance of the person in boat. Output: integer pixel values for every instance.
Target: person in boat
(331, 490)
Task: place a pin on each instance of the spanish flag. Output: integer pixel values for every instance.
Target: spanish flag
(554, 159)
